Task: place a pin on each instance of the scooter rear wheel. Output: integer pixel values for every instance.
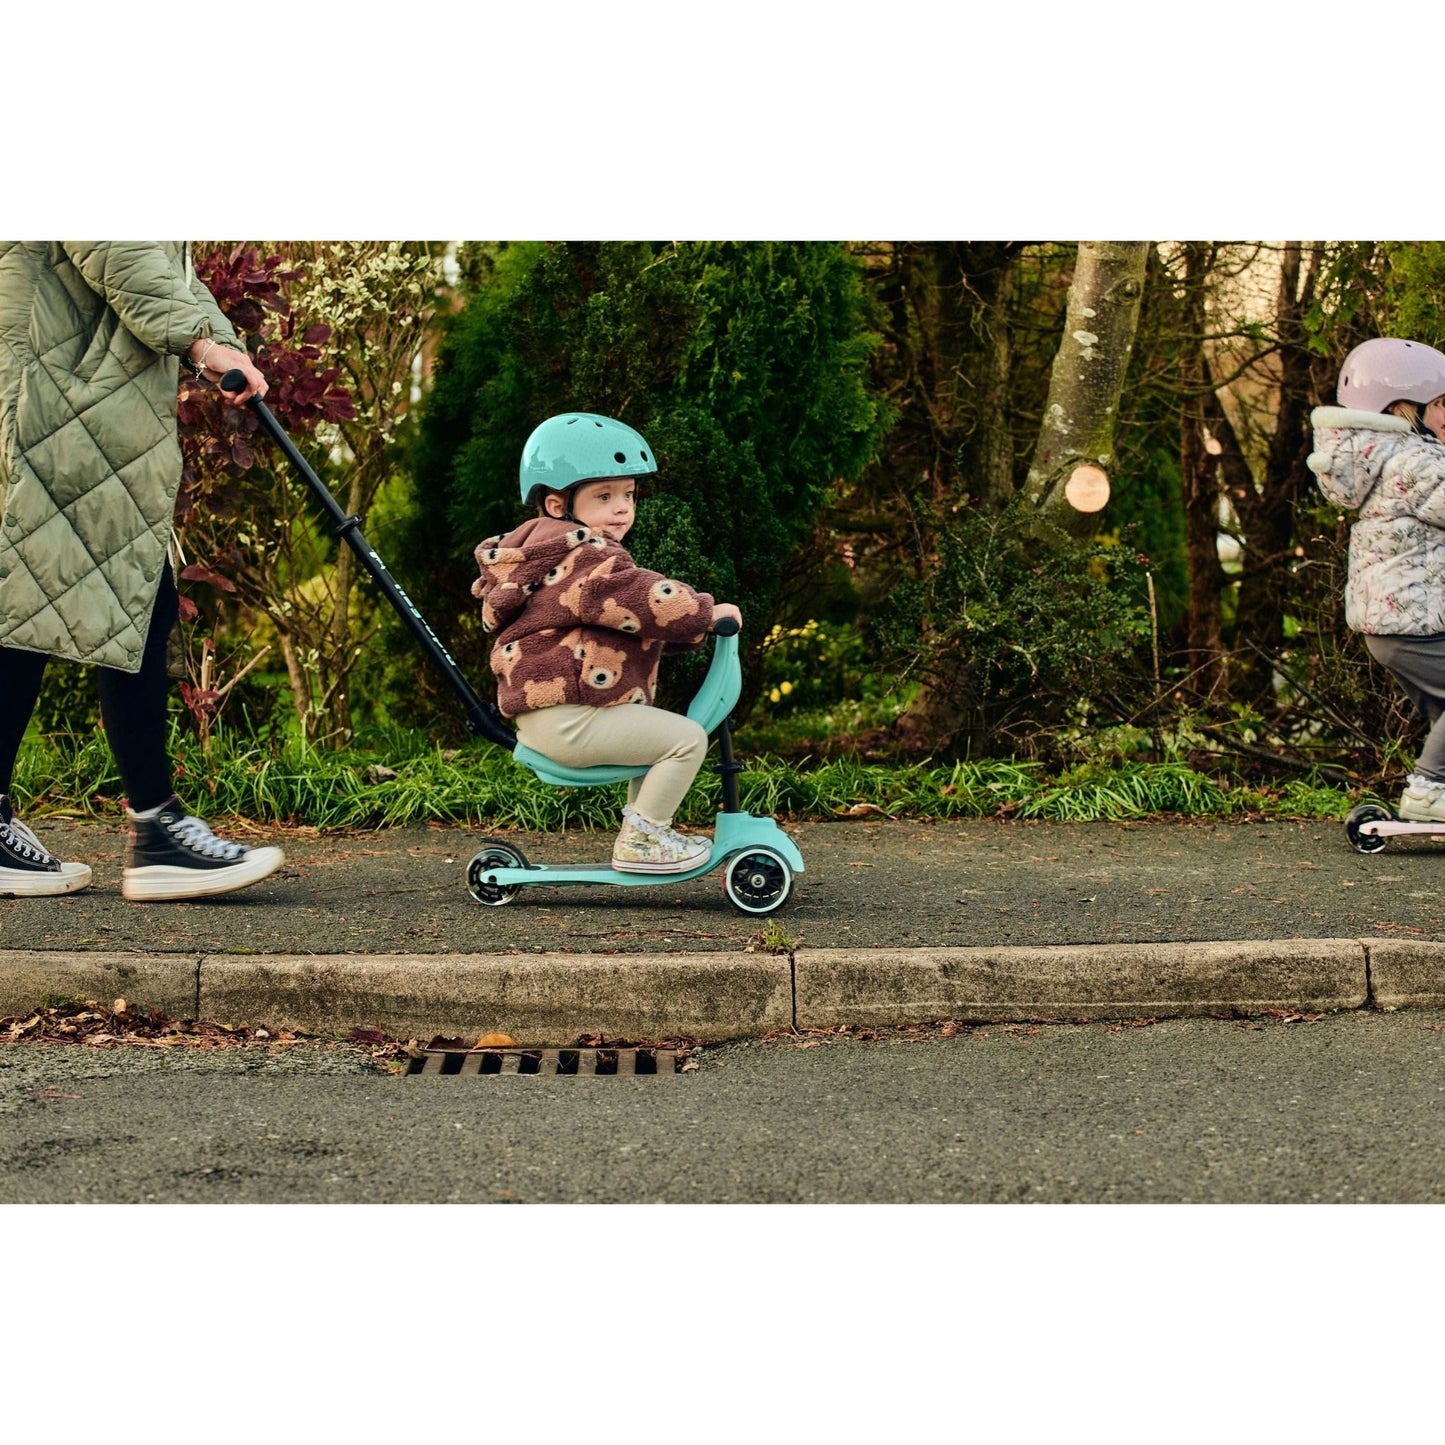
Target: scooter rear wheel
(494, 854)
(758, 881)
(1366, 813)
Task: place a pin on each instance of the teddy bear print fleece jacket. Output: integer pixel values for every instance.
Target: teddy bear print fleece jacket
(577, 620)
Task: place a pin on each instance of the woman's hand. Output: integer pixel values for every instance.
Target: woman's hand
(215, 360)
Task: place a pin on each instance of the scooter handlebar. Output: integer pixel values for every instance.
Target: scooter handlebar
(725, 627)
(234, 380)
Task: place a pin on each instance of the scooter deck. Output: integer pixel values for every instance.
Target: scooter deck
(734, 834)
(1400, 827)
(561, 874)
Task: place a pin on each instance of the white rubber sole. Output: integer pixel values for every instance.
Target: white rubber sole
(21, 883)
(163, 883)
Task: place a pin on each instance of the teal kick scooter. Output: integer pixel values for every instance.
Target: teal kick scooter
(758, 860)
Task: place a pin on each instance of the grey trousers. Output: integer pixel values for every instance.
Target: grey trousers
(1418, 665)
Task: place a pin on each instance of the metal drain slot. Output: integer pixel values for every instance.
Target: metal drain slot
(550, 1063)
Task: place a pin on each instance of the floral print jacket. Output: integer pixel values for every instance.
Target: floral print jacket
(1396, 478)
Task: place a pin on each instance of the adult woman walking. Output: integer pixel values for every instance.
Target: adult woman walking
(92, 336)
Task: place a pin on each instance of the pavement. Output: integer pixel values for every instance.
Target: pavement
(892, 923)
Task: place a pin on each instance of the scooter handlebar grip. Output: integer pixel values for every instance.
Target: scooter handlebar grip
(725, 627)
(234, 380)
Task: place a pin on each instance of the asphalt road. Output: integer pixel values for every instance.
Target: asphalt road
(866, 884)
(1343, 1109)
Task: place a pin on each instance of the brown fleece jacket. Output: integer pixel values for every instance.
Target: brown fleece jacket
(577, 620)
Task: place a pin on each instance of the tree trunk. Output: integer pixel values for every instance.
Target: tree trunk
(1267, 514)
(1087, 376)
(300, 686)
(1200, 473)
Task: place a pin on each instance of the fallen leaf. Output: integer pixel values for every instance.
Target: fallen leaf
(496, 1041)
(119, 1006)
(863, 810)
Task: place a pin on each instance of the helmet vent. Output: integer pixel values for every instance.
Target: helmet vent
(643, 455)
(618, 457)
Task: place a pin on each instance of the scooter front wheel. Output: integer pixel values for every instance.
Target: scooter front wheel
(494, 854)
(758, 881)
(1366, 813)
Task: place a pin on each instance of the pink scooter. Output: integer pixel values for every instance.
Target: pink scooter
(1371, 825)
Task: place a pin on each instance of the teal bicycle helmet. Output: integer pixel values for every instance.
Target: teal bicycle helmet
(578, 447)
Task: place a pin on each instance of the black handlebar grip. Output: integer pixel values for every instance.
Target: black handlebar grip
(234, 380)
(725, 627)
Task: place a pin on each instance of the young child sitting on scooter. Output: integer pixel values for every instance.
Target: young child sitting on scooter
(1380, 450)
(580, 629)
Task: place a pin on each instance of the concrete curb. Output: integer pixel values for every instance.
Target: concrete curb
(169, 982)
(1125, 980)
(543, 999)
(553, 998)
(1405, 974)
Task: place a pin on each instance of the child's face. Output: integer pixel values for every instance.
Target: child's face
(1435, 417)
(607, 506)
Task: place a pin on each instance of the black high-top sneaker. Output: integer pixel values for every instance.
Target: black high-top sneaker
(172, 855)
(27, 868)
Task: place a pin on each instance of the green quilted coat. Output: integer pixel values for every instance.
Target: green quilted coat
(91, 335)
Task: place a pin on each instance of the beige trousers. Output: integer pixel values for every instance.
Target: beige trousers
(670, 745)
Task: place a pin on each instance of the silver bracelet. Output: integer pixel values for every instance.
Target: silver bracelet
(205, 352)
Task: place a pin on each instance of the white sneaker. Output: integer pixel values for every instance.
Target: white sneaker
(27, 868)
(1423, 800)
(647, 847)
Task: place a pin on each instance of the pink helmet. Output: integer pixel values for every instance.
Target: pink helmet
(1387, 369)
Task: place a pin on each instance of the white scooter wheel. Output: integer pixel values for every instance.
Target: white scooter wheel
(1366, 813)
(494, 855)
(758, 880)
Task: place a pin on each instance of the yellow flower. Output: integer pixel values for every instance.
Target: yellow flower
(775, 696)
(786, 688)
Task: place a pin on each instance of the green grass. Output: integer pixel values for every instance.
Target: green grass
(480, 785)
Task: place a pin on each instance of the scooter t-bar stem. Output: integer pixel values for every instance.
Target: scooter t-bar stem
(479, 716)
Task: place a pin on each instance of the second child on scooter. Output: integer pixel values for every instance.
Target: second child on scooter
(1380, 451)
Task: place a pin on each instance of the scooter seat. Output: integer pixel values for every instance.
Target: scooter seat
(715, 699)
(561, 776)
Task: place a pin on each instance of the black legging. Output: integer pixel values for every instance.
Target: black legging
(132, 707)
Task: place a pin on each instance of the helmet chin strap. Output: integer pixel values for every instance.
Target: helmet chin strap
(567, 513)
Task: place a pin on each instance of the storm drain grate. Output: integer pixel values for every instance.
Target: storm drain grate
(571, 1063)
